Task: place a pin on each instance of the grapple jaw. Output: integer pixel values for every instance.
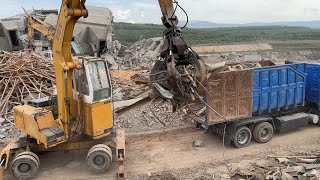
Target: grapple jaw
(184, 73)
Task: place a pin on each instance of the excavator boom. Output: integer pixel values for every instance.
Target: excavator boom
(42, 27)
(166, 7)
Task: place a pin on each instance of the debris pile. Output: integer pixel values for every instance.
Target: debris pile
(141, 55)
(154, 115)
(134, 109)
(296, 167)
(125, 86)
(22, 77)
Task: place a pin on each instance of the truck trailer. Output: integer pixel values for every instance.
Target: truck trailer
(253, 103)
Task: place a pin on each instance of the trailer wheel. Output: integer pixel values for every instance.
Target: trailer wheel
(242, 137)
(99, 158)
(263, 132)
(25, 166)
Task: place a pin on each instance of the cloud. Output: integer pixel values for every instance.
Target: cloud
(244, 11)
(13, 7)
(132, 11)
(226, 11)
(123, 15)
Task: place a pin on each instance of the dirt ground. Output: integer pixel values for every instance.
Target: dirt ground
(232, 48)
(170, 155)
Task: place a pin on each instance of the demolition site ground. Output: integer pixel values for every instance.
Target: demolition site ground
(170, 155)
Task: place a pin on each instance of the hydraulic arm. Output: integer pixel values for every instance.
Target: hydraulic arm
(183, 71)
(44, 28)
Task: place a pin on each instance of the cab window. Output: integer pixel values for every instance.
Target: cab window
(81, 81)
(100, 80)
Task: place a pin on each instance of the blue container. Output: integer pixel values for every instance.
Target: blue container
(278, 87)
(313, 84)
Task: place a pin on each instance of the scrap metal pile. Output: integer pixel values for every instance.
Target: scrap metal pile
(23, 77)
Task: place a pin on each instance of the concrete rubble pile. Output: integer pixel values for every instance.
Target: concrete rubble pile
(152, 116)
(296, 167)
(92, 35)
(23, 77)
(124, 86)
(141, 55)
(135, 110)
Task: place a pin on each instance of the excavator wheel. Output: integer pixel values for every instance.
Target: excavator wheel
(99, 158)
(25, 166)
(30, 153)
(101, 146)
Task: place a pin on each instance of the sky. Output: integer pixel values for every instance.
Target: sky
(219, 11)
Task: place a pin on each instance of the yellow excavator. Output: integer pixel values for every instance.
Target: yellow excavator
(36, 24)
(81, 115)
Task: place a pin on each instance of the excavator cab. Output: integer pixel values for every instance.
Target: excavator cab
(93, 81)
(92, 84)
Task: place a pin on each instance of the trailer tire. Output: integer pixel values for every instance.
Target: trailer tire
(263, 132)
(242, 137)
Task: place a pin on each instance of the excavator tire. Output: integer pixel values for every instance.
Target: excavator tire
(30, 153)
(24, 166)
(101, 146)
(99, 158)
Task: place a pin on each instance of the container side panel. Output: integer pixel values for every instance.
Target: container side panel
(281, 87)
(230, 96)
(313, 83)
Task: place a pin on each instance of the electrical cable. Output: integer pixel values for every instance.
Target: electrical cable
(175, 9)
(184, 13)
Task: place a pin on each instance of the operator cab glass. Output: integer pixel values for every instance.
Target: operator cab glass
(93, 81)
(100, 80)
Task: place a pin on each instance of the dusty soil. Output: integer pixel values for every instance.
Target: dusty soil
(170, 155)
(232, 48)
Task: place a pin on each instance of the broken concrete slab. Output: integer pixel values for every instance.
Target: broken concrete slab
(123, 104)
(141, 55)
(197, 143)
(283, 160)
(286, 176)
(2, 120)
(309, 161)
(295, 170)
(311, 166)
(111, 60)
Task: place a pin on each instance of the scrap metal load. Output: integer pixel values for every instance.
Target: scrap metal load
(180, 75)
(23, 76)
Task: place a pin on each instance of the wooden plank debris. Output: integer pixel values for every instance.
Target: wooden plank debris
(23, 76)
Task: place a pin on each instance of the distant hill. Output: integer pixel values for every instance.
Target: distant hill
(128, 34)
(208, 24)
